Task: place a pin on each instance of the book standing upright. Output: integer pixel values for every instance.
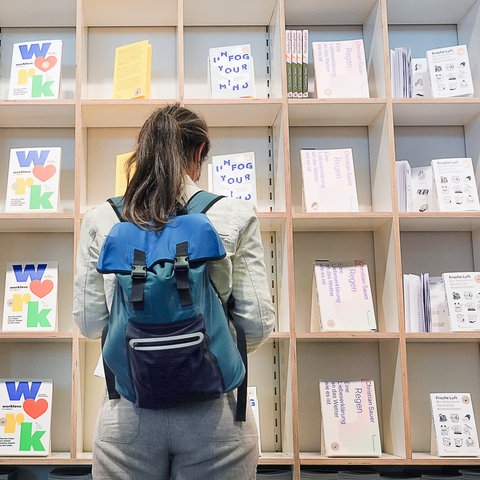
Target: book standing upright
(35, 72)
(349, 418)
(132, 71)
(33, 180)
(26, 408)
(231, 72)
(454, 432)
(30, 300)
(340, 69)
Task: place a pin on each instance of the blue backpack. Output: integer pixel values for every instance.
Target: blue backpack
(168, 340)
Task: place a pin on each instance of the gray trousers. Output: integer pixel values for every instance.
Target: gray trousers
(195, 441)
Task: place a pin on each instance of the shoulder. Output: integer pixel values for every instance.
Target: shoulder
(99, 220)
(231, 216)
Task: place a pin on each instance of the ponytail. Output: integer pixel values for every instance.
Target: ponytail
(156, 171)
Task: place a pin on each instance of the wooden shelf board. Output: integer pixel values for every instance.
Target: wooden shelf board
(345, 336)
(36, 222)
(334, 112)
(313, 458)
(37, 113)
(342, 221)
(439, 221)
(32, 13)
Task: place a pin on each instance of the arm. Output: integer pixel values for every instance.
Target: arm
(90, 311)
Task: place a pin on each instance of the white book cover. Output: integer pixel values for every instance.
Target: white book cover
(253, 399)
(231, 72)
(462, 291)
(329, 180)
(26, 410)
(438, 306)
(305, 60)
(455, 185)
(340, 69)
(36, 70)
(30, 300)
(234, 175)
(349, 419)
(341, 297)
(413, 303)
(33, 180)
(454, 432)
(422, 189)
(403, 173)
(450, 74)
(288, 61)
(420, 79)
(299, 49)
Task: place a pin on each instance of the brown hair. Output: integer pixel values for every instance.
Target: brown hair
(166, 145)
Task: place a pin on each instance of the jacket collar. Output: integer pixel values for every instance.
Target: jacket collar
(191, 188)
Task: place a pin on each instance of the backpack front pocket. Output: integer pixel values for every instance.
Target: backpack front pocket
(171, 363)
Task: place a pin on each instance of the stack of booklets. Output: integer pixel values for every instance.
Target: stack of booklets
(132, 71)
(30, 300)
(349, 418)
(35, 72)
(341, 297)
(271, 473)
(424, 303)
(443, 72)
(33, 180)
(446, 185)
(454, 431)
(30, 400)
(462, 291)
(328, 180)
(230, 72)
(340, 69)
(297, 63)
(8, 474)
(234, 175)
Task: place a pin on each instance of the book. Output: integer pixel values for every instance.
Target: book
(298, 92)
(35, 72)
(120, 176)
(253, 400)
(462, 293)
(340, 69)
(288, 62)
(234, 175)
(454, 432)
(132, 71)
(26, 406)
(294, 64)
(30, 300)
(420, 78)
(450, 74)
(231, 72)
(305, 51)
(422, 189)
(328, 180)
(349, 418)
(341, 297)
(401, 72)
(403, 173)
(455, 185)
(33, 180)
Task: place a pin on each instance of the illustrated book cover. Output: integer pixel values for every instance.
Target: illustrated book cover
(35, 72)
(454, 432)
(33, 180)
(30, 300)
(26, 412)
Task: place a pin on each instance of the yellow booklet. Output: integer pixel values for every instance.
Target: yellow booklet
(132, 71)
(120, 176)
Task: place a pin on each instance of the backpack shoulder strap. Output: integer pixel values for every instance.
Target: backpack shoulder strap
(201, 201)
(117, 205)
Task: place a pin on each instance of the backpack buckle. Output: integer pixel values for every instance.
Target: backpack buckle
(181, 262)
(139, 272)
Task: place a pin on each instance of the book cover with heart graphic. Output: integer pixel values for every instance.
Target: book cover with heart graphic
(33, 180)
(30, 303)
(35, 72)
(25, 417)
